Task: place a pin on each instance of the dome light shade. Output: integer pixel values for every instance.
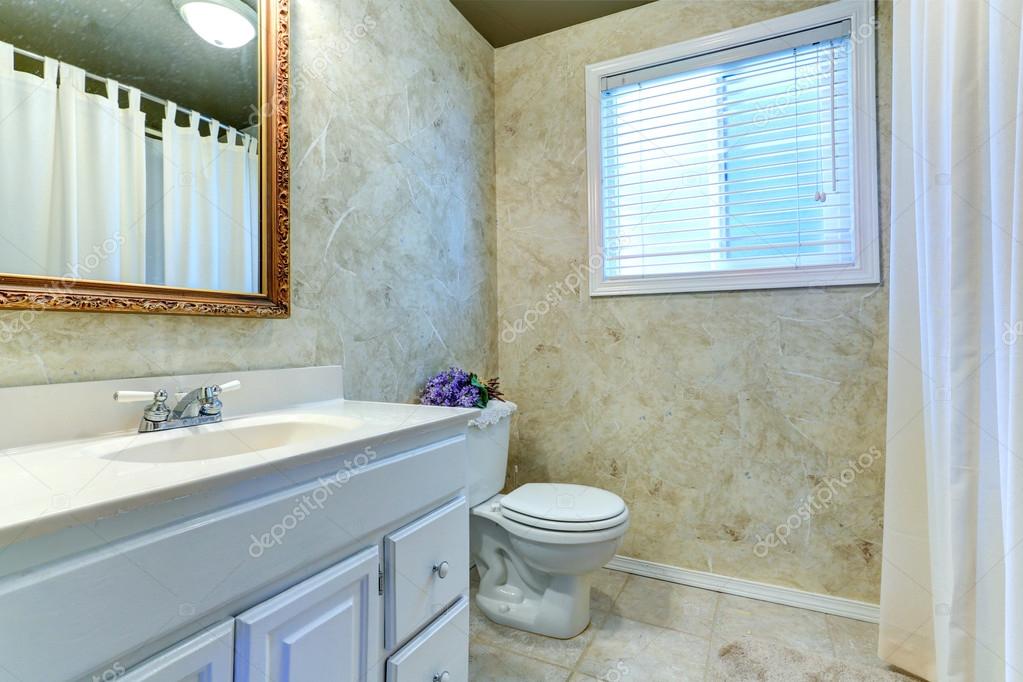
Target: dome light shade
(225, 23)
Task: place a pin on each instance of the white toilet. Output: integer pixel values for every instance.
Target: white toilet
(536, 547)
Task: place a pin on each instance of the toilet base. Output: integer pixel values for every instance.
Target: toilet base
(561, 610)
(533, 579)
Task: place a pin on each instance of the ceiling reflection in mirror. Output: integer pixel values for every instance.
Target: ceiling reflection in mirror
(129, 142)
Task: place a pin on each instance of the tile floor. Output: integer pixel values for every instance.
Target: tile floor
(649, 630)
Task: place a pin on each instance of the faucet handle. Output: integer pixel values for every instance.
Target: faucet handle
(230, 386)
(209, 397)
(135, 396)
(156, 411)
(215, 390)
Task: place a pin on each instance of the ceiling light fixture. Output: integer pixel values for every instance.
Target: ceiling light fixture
(224, 23)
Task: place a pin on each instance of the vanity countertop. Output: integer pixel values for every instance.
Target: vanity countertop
(71, 481)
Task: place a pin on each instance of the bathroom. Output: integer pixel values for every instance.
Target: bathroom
(336, 349)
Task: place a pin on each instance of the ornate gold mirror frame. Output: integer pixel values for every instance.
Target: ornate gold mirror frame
(274, 300)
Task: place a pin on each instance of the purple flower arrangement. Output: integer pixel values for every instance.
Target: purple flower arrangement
(455, 387)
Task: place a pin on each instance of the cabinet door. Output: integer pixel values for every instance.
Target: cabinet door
(321, 630)
(207, 657)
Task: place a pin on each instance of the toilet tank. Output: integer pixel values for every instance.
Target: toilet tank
(487, 442)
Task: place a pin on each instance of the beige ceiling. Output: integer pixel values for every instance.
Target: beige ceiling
(503, 22)
(142, 43)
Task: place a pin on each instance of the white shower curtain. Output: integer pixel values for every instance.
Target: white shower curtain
(952, 580)
(238, 192)
(211, 227)
(28, 124)
(253, 188)
(74, 185)
(100, 191)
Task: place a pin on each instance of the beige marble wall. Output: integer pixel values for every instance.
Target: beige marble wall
(393, 215)
(714, 415)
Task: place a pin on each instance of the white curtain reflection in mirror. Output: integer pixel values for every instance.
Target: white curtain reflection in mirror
(210, 228)
(28, 140)
(90, 193)
(100, 187)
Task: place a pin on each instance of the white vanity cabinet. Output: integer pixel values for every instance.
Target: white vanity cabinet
(325, 629)
(328, 628)
(338, 552)
(308, 538)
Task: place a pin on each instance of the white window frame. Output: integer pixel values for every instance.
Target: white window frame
(863, 124)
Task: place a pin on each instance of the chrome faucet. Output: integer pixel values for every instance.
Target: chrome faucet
(201, 406)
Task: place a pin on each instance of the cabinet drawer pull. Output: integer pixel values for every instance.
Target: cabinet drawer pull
(441, 570)
(443, 677)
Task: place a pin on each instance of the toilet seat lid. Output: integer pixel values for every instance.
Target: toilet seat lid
(572, 527)
(564, 503)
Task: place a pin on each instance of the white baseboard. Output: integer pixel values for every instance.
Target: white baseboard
(837, 606)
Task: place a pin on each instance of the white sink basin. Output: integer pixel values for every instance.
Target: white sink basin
(229, 439)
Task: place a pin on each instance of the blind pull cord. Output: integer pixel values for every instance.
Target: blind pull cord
(819, 196)
(834, 143)
(795, 100)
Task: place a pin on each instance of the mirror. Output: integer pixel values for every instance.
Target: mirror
(143, 155)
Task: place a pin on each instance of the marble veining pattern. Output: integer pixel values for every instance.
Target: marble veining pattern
(393, 212)
(714, 415)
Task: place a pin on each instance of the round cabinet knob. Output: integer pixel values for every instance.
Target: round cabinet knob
(441, 570)
(442, 677)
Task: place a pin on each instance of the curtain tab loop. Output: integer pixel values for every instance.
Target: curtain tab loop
(134, 99)
(114, 91)
(50, 70)
(72, 76)
(6, 58)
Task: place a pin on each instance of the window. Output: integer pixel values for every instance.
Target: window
(745, 160)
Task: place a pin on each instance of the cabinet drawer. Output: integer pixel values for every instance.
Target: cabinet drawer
(441, 648)
(207, 657)
(426, 569)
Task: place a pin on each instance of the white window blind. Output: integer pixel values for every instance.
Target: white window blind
(735, 161)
